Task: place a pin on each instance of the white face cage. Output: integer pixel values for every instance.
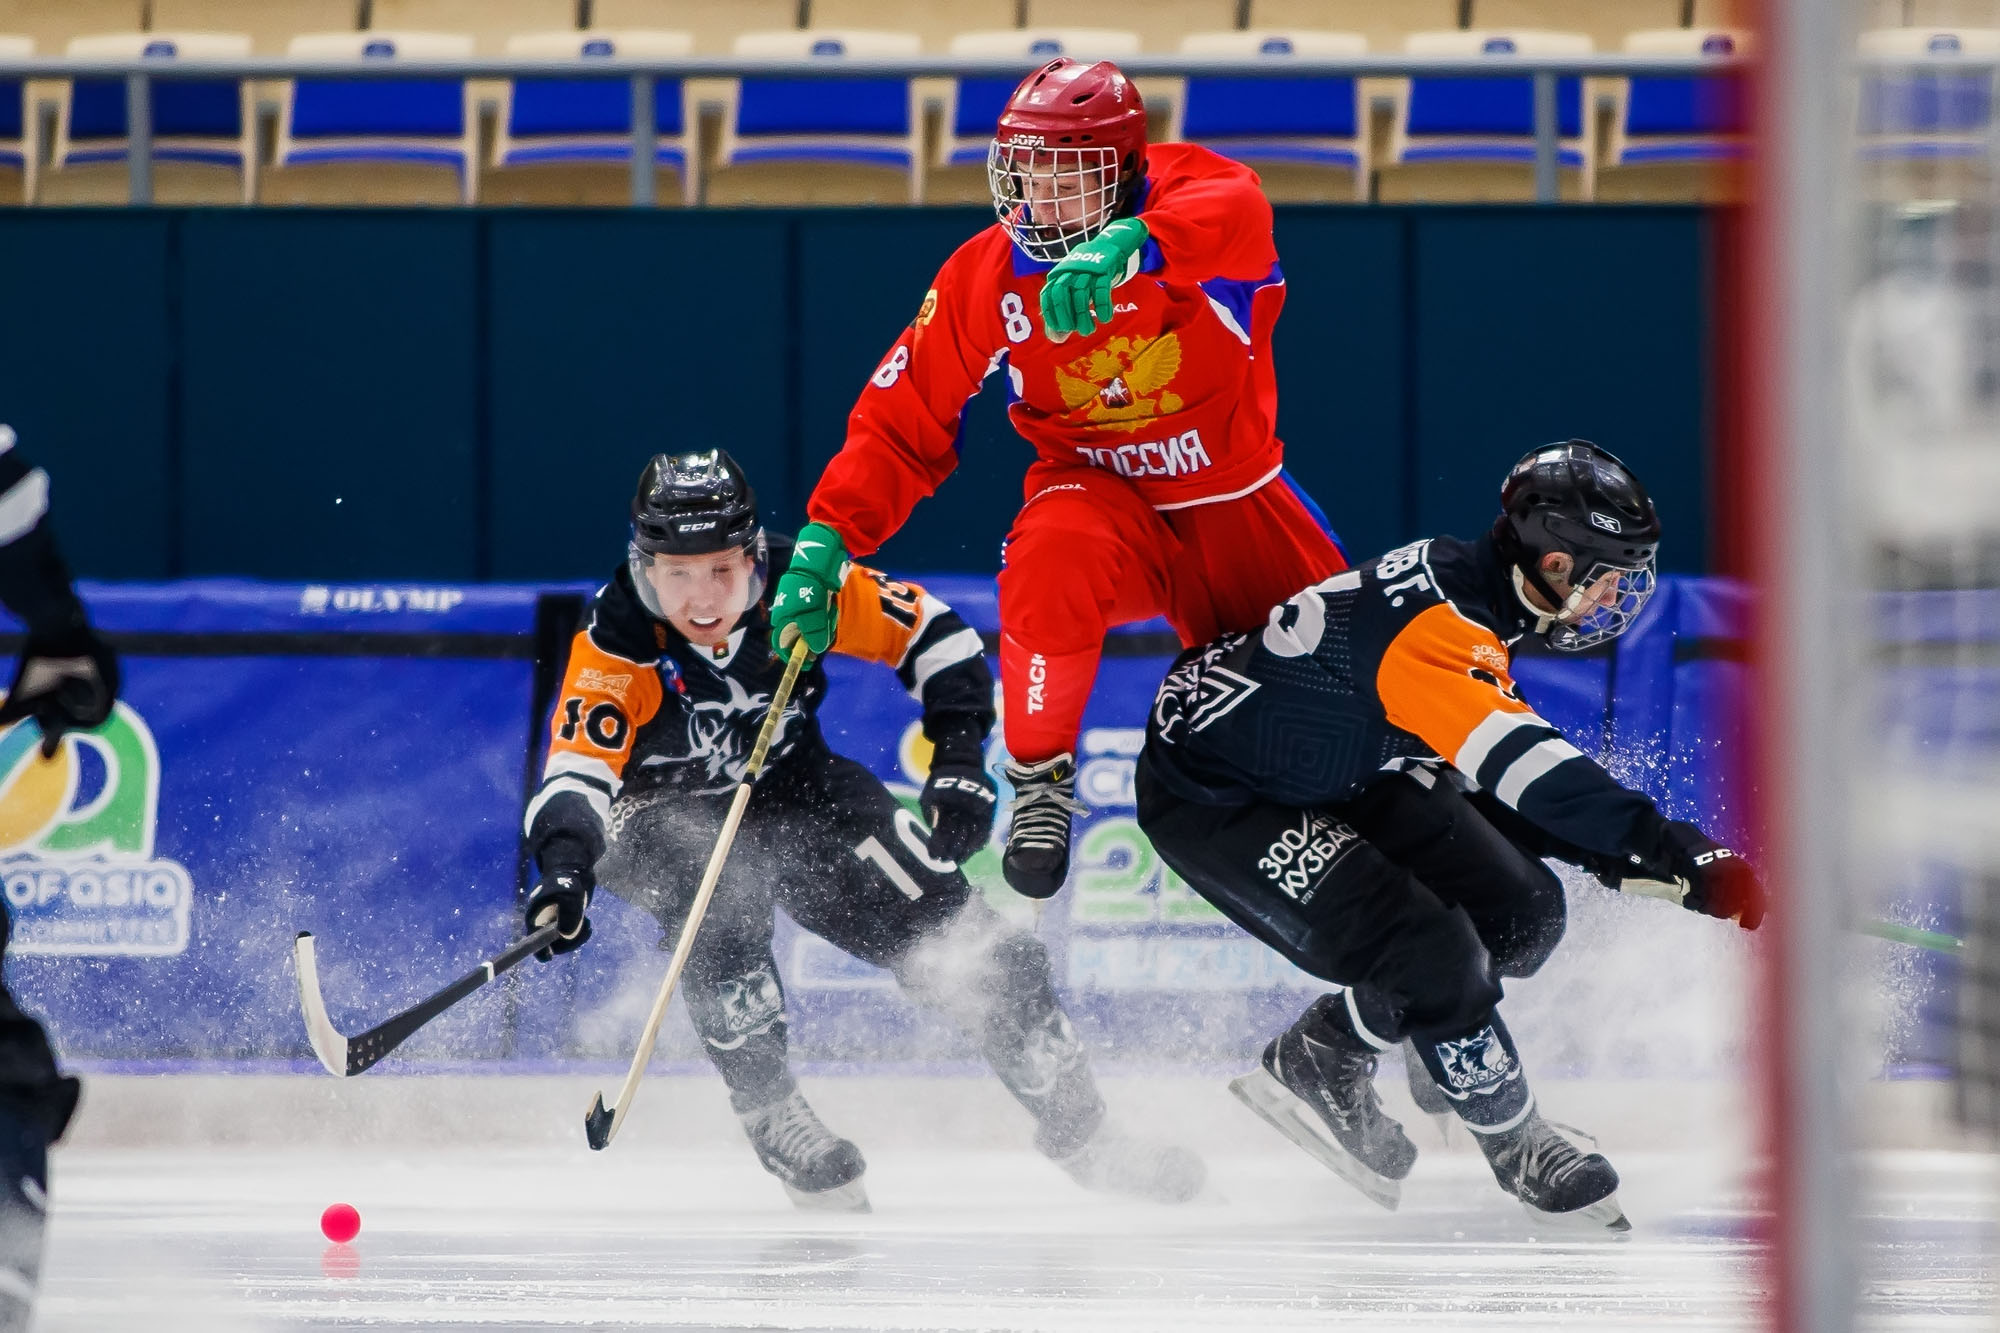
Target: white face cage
(1602, 607)
(1051, 200)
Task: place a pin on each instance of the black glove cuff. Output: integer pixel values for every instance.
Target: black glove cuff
(957, 740)
(563, 851)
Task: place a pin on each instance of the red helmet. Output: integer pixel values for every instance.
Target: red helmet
(1068, 155)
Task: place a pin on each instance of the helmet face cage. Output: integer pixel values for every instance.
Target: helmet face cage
(641, 562)
(1090, 177)
(1602, 605)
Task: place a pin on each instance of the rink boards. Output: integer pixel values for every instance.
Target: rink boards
(354, 760)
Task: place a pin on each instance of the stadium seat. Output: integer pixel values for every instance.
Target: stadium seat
(1605, 22)
(375, 141)
(17, 135)
(811, 141)
(1385, 23)
(1160, 23)
(568, 141)
(1952, 14)
(488, 22)
(1673, 138)
(972, 106)
(1307, 138)
(935, 22)
(54, 23)
(1473, 138)
(204, 130)
(1928, 125)
(716, 24)
(270, 24)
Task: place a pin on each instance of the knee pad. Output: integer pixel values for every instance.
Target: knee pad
(1538, 930)
(1439, 974)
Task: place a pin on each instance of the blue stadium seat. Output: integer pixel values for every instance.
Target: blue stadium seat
(821, 141)
(17, 141)
(376, 141)
(1281, 126)
(1474, 137)
(569, 140)
(973, 106)
(1929, 111)
(203, 129)
(1670, 135)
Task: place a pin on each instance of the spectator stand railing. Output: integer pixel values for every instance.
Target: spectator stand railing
(1544, 70)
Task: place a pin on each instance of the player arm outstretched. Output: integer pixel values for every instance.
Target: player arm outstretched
(609, 691)
(942, 663)
(1446, 680)
(67, 677)
(902, 442)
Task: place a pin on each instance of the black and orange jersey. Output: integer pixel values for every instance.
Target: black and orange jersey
(1407, 658)
(640, 706)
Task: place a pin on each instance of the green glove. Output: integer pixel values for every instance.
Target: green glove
(808, 600)
(1076, 296)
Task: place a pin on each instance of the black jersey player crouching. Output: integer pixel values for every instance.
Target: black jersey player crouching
(667, 685)
(1361, 786)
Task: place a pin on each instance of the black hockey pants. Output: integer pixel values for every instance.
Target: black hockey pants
(31, 1089)
(1406, 895)
(824, 839)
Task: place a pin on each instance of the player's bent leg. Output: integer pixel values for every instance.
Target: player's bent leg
(36, 1103)
(1086, 553)
(993, 980)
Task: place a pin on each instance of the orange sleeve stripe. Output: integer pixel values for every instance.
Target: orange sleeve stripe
(605, 699)
(1426, 681)
(879, 617)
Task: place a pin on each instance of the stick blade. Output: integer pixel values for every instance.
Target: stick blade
(327, 1043)
(598, 1124)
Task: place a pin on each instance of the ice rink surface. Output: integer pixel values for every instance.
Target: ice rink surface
(209, 1238)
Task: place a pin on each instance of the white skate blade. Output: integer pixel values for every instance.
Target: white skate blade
(1600, 1218)
(1281, 1108)
(849, 1198)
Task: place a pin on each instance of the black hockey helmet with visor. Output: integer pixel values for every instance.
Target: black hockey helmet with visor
(1579, 500)
(691, 505)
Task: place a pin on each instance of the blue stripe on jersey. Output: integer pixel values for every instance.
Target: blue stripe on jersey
(1318, 514)
(1236, 295)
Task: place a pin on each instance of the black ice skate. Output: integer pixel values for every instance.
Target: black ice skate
(1555, 1180)
(1112, 1161)
(1428, 1096)
(24, 1177)
(1316, 1086)
(818, 1168)
(1037, 858)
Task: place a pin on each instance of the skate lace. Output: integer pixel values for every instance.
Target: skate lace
(1547, 1150)
(1040, 812)
(794, 1132)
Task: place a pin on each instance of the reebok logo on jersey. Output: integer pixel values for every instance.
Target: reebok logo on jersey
(1038, 683)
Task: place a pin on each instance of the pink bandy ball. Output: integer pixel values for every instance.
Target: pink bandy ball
(340, 1223)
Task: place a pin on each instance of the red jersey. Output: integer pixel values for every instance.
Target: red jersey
(1176, 392)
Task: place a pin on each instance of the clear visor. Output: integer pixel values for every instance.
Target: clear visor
(1051, 200)
(1602, 606)
(702, 591)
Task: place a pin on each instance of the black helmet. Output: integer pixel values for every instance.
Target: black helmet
(691, 505)
(1576, 498)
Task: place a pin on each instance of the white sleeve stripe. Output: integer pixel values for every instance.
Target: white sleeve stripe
(1525, 771)
(600, 804)
(568, 761)
(947, 652)
(1497, 727)
(23, 506)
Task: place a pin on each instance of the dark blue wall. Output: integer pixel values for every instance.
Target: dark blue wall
(464, 395)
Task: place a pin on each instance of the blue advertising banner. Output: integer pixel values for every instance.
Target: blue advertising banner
(353, 761)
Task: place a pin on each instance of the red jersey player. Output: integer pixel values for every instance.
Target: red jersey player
(1130, 295)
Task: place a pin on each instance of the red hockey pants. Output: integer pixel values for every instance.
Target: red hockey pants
(1087, 552)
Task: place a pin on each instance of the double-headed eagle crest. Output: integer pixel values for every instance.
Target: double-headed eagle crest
(1124, 383)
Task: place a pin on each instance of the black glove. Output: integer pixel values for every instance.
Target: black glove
(66, 681)
(563, 896)
(959, 801)
(1700, 874)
